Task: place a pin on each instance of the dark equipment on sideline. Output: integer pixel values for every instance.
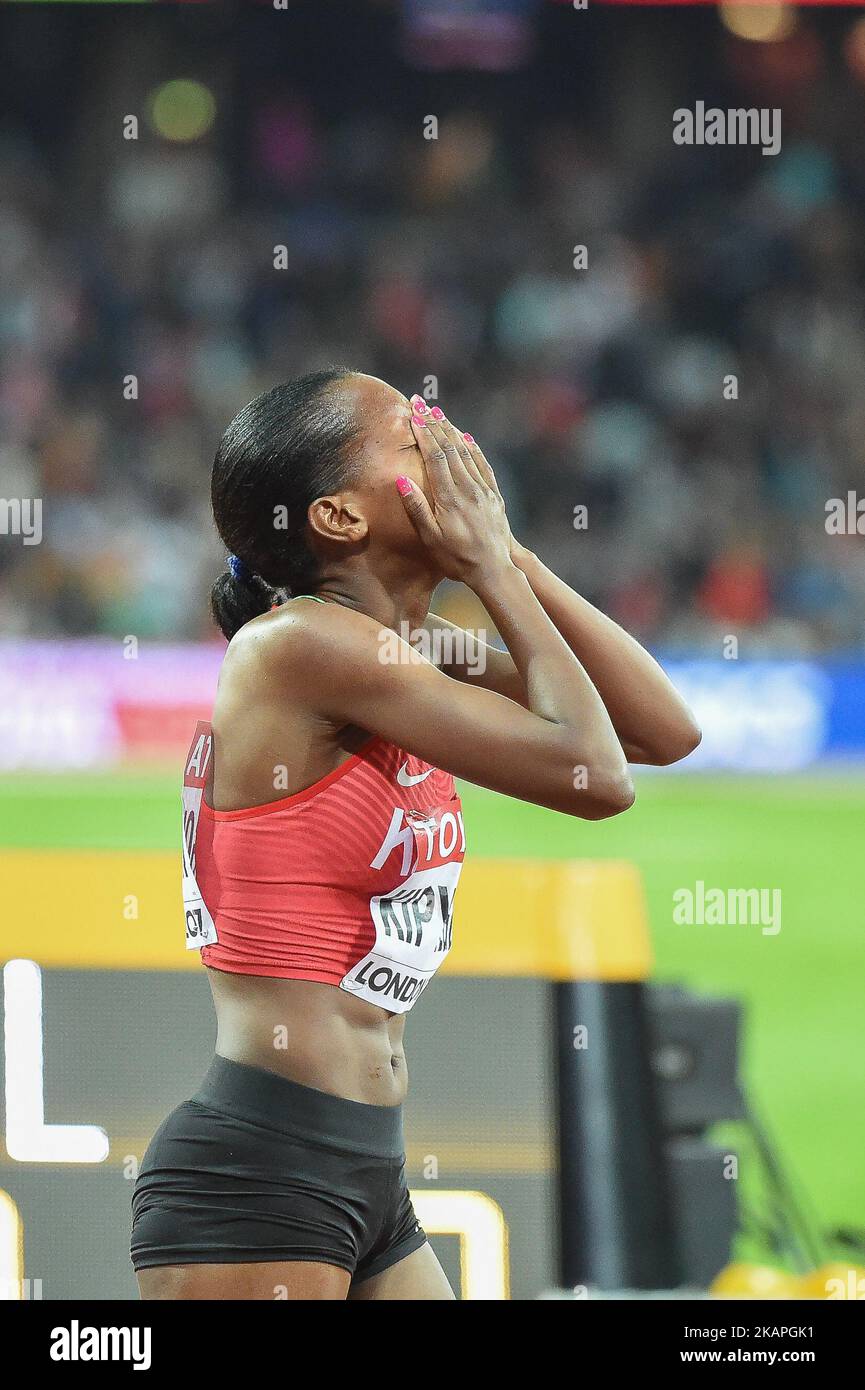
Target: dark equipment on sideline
(645, 1202)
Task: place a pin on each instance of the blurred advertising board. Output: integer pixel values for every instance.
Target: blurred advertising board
(772, 715)
(98, 703)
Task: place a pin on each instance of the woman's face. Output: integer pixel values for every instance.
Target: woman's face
(388, 449)
(389, 446)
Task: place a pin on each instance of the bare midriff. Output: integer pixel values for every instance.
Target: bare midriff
(311, 1033)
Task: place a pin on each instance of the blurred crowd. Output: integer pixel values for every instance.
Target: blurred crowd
(695, 382)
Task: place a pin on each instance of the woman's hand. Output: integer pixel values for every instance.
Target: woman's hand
(528, 750)
(465, 529)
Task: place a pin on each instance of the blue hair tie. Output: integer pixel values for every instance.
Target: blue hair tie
(239, 570)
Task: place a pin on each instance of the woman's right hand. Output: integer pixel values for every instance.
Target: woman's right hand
(465, 529)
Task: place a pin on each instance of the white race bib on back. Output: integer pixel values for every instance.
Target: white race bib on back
(200, 929)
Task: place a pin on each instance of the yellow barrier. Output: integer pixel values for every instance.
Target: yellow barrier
(109, 910)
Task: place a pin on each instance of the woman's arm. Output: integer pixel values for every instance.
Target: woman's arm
(652, 721)
(650, 717)
(561, 751)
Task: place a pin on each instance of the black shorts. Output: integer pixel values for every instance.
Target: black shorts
(256, 1168)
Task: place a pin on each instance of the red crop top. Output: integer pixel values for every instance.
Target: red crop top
(350, 882)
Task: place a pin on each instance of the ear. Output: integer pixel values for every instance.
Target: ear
(337, 519)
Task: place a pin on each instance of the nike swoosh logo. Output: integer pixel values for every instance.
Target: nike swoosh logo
(405, 781)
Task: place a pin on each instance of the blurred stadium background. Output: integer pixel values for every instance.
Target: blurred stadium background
(141, 307)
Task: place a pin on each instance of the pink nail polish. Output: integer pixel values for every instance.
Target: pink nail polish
(469, 438)
(437, 414)
(403, 486)
(418, 405)
(416, 420)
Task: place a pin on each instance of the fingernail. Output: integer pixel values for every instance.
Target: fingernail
(416, 420)
(403, 486)
(437, 414)
(419, 405)
(469, 438)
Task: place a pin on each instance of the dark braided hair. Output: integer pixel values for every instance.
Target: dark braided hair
(289, 446)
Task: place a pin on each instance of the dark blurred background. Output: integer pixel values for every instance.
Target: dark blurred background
(443, 265)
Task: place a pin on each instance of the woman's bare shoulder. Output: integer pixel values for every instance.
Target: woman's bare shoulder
(299, 640)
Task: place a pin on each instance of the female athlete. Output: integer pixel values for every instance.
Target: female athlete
(323, 835)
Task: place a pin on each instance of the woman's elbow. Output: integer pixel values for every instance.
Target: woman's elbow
(608, 798)
(680, 745)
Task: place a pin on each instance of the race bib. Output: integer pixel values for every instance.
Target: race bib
(414, 921)
(200, 930)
